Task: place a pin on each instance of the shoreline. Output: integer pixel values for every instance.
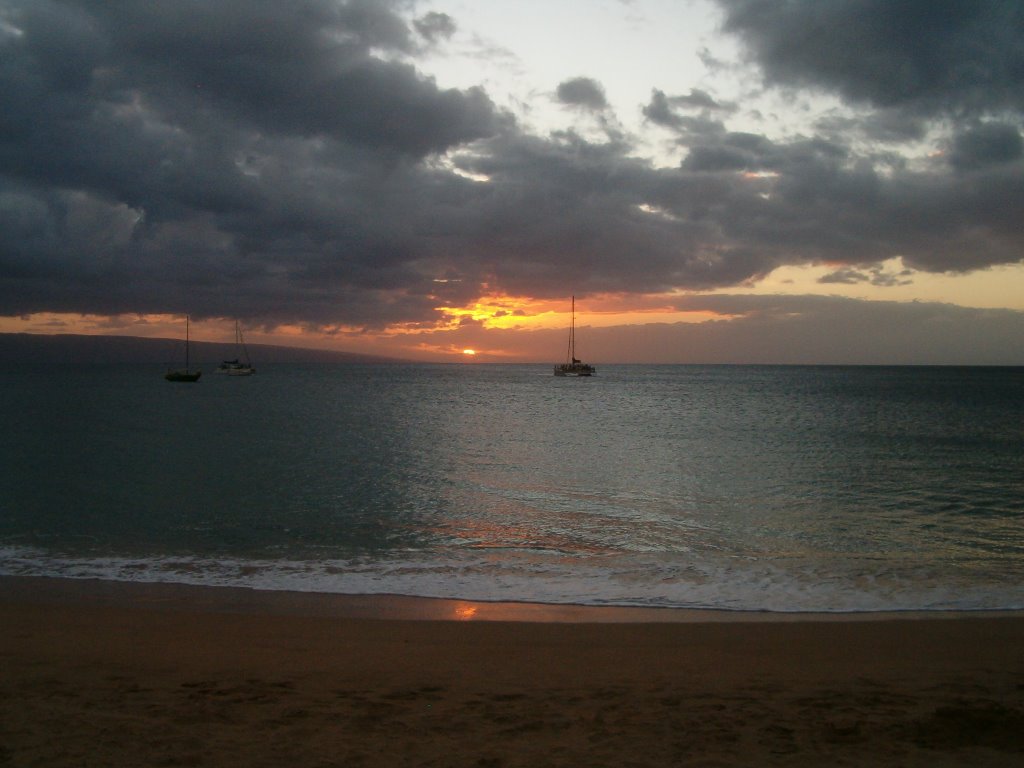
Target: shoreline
(177, 596)
(119, 673)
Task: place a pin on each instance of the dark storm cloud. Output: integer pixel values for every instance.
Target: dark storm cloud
(808, 200)
(151, 154)
(282, 69)
(883, 125)
(582, 92)
(987, 144)
(840, 196)
(931, 56)
(286, 162)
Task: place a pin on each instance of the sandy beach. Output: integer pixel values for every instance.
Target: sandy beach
(104, 674)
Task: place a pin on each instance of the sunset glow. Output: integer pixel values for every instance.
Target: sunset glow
(494, 311)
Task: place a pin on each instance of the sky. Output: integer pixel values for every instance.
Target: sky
(715, 181)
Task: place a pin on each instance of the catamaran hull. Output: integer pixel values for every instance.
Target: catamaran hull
(565, 370)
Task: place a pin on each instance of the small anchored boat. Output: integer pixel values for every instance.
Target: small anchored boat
(241, 365)
(186, 373)
(573, 366)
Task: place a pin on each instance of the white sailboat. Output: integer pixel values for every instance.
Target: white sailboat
(572, 366)
(241, 365)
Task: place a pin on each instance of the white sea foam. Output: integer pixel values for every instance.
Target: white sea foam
(731, 585)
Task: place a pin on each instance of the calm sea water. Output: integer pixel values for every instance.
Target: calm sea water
(732, 487)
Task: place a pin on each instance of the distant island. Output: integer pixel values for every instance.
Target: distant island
(76, 349)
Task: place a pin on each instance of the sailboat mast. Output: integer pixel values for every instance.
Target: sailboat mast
(186, 343)
(572, 333)
(240, 343)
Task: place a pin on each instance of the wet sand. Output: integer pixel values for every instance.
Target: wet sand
(102, 674)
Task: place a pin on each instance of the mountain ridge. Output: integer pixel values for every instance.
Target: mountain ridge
(81, 349)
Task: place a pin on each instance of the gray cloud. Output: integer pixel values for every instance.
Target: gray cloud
(846, 276)
(875, 275)
(286, 162)
(582, 92)
(930, 56)
(435, 26)
(659, 111)
(697, 98)
(883, 125)
(986, 144)
(252, 142)
(665, 110)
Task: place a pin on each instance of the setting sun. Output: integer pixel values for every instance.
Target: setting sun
(469, 352)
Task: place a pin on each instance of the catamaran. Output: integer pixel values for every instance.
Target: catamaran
(572, 366)
(240, 366)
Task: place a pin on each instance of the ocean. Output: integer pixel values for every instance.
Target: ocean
(754, 488)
